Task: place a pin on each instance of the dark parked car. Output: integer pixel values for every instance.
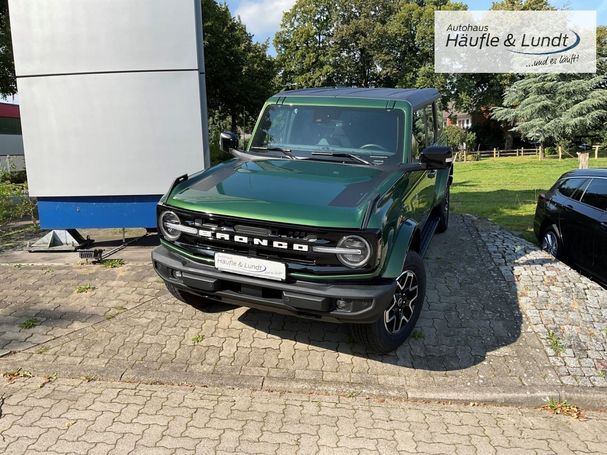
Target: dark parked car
(571, 221)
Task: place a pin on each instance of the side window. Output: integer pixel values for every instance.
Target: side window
(430, 133)
(417, 141)
(571, 188)
(423, 131)
(596, 194)
(441, 139)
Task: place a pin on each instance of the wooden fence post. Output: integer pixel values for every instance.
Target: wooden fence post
(465, 155)
(494, 152)
(596, 152)
(560, 152)
(541, 154)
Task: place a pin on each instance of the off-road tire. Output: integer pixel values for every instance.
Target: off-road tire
(443, 213)
(185, 297)
(376, 336)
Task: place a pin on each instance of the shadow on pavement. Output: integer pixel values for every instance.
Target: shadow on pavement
(30, 325)
(469, 312)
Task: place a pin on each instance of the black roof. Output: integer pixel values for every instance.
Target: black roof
(415, 97)
(596, 172)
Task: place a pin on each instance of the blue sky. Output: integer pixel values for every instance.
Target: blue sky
(262, 17)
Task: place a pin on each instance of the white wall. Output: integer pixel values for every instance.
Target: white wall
(109, 94)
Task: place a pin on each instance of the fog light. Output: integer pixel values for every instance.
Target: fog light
(344, 305)
(352, 305)
(176, 273)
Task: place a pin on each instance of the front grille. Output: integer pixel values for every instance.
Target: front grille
(262, 239)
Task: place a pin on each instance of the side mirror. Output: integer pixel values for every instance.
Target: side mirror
(228, 140)
(437, 157)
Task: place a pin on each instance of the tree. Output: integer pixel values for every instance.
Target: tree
(364, 43)
(552, 108)
(522, 5)
(456, 137)
(239, 72)
(557, 108)
(304, 45)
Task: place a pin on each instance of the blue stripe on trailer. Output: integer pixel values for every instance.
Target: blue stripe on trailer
(97, 212)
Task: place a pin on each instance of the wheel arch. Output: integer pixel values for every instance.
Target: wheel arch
(406, 239)
(549, 224)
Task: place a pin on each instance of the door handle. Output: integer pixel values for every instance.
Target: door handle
(604, 225)
(568, 207)
(431, 174)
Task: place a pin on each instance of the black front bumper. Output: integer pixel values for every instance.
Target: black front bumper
(298, 298)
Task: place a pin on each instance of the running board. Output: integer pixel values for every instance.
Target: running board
(427, 234)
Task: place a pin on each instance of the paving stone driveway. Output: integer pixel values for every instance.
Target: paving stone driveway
(71, 416)
(478, 338)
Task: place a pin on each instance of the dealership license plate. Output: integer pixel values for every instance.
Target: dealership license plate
(250, 266)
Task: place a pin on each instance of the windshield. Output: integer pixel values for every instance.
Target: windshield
(373, 134)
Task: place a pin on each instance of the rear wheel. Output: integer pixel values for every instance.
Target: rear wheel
(443, 214)
(551, 243)
(185, 297)
(401, 312)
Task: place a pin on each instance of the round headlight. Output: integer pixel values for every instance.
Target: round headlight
(361, 251)
(167, 222)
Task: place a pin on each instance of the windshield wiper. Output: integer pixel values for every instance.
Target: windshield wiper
(352, 156)
(286, 152)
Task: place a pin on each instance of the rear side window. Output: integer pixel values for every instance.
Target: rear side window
(423, 131)
(596, 194)
(571, 188)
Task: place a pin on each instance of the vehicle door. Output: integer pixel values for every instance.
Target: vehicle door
(594, 201)
(601, 249)
(423, 182)
(574, 221)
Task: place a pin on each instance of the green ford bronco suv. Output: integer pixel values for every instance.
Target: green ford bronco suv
(325, 215)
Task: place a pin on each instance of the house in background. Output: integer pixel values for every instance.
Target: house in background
(11, 140)
(489, 132)
(461, 119)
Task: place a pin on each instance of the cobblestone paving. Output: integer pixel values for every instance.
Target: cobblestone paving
(47, 298)
(75, 417)
(567, 311)
(472, 340)
(471, 336)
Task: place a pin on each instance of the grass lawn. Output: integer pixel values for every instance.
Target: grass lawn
(505, 190)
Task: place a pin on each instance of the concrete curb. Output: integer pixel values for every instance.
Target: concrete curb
(586, 398)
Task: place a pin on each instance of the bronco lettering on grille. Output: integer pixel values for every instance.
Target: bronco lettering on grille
(253, 241)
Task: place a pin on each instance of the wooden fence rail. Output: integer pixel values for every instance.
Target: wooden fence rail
(539, 152)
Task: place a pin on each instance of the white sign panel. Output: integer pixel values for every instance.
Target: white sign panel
(515, 41)
(84, 36)
(110, 94)
(110, 134)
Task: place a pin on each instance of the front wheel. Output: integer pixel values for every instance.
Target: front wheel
(401, 313)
